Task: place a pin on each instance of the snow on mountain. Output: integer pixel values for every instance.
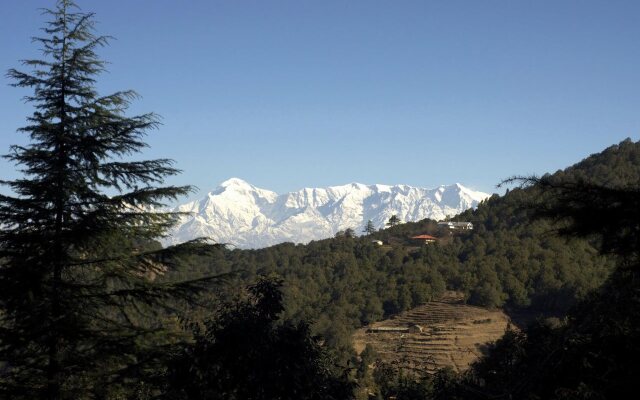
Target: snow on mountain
(241, 214)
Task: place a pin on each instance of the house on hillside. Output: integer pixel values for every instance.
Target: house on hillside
(426, 239)
(463, 226)
(377, 242)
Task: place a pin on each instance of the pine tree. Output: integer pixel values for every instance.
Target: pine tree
(370, 228)
(78, 300)
(393, 221)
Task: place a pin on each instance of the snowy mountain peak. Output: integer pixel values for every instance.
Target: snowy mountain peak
(237, 188)
(239, 213)
(235, 182)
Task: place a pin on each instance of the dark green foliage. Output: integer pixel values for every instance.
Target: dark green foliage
(609, 214)
(338, 284)
(394, 383)
(393, 221)
(248, 353)
(369, 228)
(81, 310)
(593, 353)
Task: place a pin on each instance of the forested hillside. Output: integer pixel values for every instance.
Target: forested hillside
(592, 352)
(92, 306)
(506, 261)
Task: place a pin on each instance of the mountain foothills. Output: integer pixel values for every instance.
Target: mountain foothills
(508, 260)
(512, 259)
(245, 216)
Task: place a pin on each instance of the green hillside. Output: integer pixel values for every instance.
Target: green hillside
(343, 283)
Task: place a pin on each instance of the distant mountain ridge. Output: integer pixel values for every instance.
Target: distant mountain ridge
(246, 216)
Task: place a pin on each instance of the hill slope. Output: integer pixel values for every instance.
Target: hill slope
(450, 334)
(345, 283)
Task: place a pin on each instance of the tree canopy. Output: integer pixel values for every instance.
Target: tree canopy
(393, 221)
(80, 305)
(247, 351)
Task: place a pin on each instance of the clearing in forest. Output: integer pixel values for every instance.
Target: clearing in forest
(444, 333)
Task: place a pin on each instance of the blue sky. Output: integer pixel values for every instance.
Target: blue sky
(292, 94)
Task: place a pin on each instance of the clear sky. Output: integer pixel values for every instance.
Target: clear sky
(292, 94)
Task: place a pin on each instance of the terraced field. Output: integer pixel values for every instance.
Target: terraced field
(434, 335)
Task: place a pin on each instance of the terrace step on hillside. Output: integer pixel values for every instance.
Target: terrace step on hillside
(438, 334)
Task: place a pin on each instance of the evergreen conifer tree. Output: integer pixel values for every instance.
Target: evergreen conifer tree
(78, 300)
(370, 228)
(393, 221)
(349, 232)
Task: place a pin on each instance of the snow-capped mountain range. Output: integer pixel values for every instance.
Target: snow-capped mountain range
(245, 216)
